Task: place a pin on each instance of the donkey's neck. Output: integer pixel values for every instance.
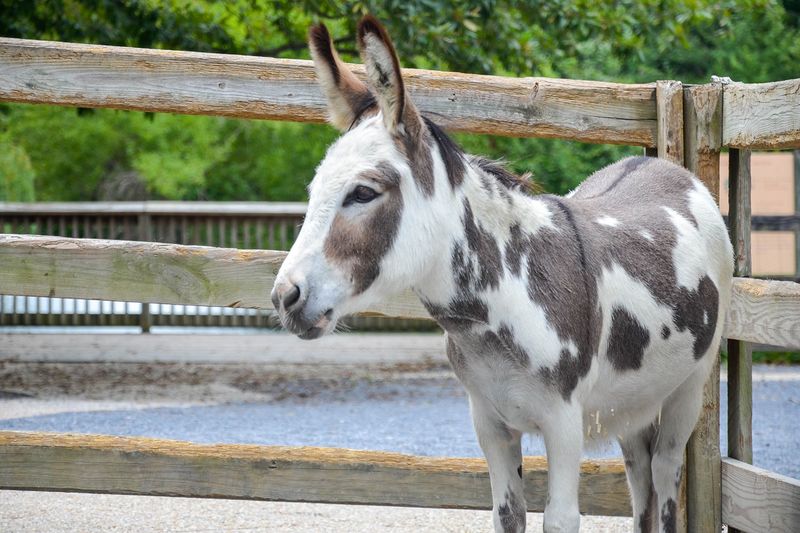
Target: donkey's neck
(478, 226)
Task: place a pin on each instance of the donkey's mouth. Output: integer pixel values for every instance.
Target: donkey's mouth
(319, 328)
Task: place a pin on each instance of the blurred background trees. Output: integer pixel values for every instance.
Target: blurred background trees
(49, 153)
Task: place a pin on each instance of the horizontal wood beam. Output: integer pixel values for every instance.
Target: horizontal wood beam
(83, 75)
(152, 272)
(762, 311)
(765, 311)
(154, 208)
(755, 500)
(119, 465)
(761, 115)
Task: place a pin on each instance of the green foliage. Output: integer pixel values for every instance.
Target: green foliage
(16, 173)
(74, 156)
(269, 160)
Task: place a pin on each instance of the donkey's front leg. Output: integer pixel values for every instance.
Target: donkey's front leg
(502, 448)
(563, 439)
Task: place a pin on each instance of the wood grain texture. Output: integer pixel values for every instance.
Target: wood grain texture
(152, 273)
(765, 312)
(757, 500)
(762, 115)
(155, 208)
(669, 109)
(103, 464)
(702, 141)
(740, 353)
(283, 89)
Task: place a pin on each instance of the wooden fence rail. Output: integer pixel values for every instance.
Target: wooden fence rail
(761, 115)
(83, 75)
(119, 465)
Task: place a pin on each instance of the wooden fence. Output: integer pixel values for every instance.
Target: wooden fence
(686, 124)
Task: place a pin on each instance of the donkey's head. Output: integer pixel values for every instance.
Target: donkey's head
(369, 226)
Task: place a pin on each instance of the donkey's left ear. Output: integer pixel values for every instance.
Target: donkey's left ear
(385, 79)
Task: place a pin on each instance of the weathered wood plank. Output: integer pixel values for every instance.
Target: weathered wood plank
(152, 272)
(757, 500)
(155, 208)
(669, 106)
(766, 312)
(284, 89)
(117, 465)
(702, 139)
(761, 115)
(740, 353)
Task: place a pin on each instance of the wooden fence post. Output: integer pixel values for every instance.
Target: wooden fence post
(740, 353)
(145, 233)
(702, 106)
(670, 132)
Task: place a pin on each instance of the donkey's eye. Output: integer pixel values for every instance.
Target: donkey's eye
(361, 194)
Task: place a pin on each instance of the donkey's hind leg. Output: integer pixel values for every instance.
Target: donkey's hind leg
(677, 421)
(636, 451)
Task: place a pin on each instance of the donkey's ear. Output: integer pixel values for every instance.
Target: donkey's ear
(348, 97)
(383, 73)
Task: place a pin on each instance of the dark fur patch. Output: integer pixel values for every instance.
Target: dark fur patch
(559, 280)
(505, 177)
(363, 105)
(519, 471)
(503, 343)
(484, 249)
(665, 332)
(511, 513)
(627, 341)
(697, 311)
(370, 25)
(321, 41)
(463, 312)
(359, 245)
(456, 357)
(451, 153)
(669, 516)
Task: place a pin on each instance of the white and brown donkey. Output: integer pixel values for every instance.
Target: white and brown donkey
(581, 317)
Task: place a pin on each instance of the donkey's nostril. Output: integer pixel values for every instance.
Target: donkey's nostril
(291, 297)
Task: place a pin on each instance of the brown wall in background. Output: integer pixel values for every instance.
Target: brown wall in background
(773, 193)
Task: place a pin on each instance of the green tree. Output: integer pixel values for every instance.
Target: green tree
(76, 156)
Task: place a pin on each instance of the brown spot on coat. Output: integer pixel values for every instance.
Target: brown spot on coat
(358, 244)
(627, 341)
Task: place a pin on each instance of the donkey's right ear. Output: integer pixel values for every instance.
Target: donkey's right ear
(348, 97)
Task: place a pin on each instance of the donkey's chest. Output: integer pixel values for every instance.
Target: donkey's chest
(500, 375)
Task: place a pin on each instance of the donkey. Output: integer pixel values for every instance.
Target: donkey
(584, 317)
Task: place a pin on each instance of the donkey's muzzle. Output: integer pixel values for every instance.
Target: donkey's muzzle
(290, 301)
(288, 297)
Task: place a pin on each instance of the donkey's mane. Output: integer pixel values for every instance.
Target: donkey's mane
(454, 158)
